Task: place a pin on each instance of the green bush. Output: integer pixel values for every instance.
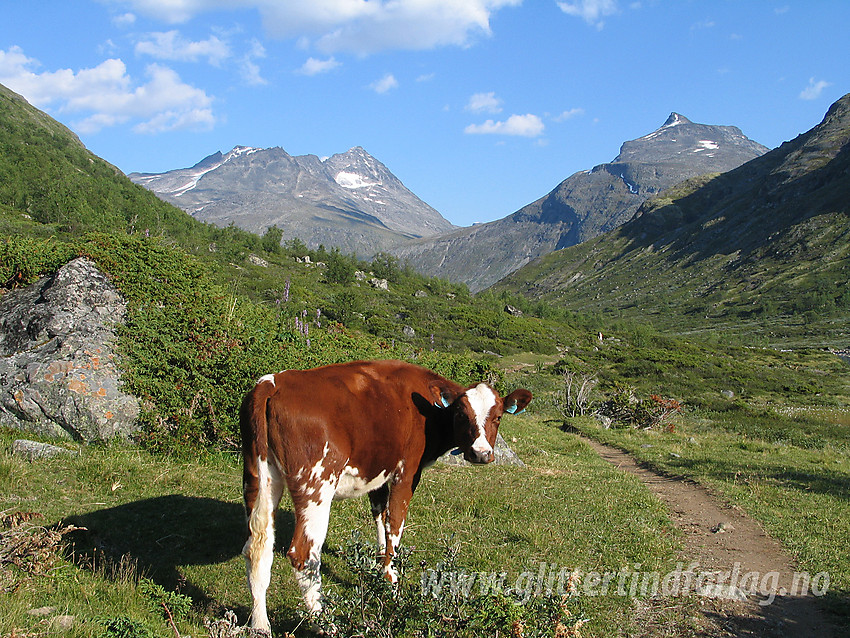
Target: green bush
(23, 260)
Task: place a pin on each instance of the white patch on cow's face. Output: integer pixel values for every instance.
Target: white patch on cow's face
(352, 485)
(266, 377)
(482, 399)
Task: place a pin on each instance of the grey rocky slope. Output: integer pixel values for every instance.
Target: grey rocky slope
(349, 200)
(584, 205)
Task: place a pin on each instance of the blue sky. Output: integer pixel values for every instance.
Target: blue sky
(478, 106)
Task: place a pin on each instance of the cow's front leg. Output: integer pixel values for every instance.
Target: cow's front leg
(396, 514)
(305, 553)
(378, 499)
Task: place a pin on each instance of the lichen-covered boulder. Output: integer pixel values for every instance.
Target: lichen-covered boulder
(58, 373)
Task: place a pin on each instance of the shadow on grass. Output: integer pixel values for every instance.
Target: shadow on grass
(162, 534)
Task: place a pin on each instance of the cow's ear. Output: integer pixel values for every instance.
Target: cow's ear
(442, 395)
(516, 401)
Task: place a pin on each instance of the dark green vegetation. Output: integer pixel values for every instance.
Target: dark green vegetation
(761, 250)
(766, 429)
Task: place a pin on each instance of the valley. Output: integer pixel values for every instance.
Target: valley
(722, 297)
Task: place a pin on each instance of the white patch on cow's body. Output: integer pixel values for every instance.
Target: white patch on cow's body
(259, 548)
(381, 527)
(318, 469)
(309, 581)
(266, 377)
(352, 485)
(315, 517)
(317, 513)
(481, 399)
(391, 573)
(395, 539)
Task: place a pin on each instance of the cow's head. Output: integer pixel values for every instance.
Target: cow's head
(476, 413)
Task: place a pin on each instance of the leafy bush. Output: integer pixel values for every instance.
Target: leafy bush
(23, 260)
(371, 606)
(125, 627)
(627, 410)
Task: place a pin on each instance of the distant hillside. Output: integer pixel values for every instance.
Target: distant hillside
(770, 238)
(349, 200)
(48, 176)
(584, 205)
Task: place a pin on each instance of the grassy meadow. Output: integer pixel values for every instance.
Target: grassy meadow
(177, 523)
(181, 525)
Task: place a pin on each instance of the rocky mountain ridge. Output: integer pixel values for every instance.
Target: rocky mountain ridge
(350, 200)
(584, 205)
(769, 239)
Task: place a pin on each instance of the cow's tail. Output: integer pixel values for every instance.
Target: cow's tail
(261, 491)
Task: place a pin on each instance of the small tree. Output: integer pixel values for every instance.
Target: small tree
(574, 397)
(386, 266)
(271, 239)
(340, 268)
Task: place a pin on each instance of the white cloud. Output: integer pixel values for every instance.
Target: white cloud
(106, 95)
(170, 45)
(385, 84)
(522, 125)
(814, 89)
(591, 11)
(569, 114)
(124, 20)
(705, 24)
(249, 69)
(314, 66)
(484, 103)
(355, 26)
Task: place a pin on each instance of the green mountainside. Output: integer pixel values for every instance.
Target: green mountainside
(766, 244)
(48, 176)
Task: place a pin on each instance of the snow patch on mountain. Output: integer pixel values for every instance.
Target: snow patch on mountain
(184, 180)
(353, 180)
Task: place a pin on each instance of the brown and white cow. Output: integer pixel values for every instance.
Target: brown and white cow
(345, 430)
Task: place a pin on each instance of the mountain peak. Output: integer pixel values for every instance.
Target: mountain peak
(675, 119)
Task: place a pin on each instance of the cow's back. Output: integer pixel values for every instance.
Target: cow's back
(370, 414)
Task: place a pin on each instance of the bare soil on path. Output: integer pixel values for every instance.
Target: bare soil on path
(718, 537)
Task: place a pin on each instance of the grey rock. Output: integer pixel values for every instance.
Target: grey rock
(727, 394)
(64, 622)
(504, 455)
(513, 311)
(258, 261)
(379, 284)
(408, 331)
(58, 371)
(34, 450)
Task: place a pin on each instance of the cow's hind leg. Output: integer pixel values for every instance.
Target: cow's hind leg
(378, 500)
(312, 513)
(262, 497)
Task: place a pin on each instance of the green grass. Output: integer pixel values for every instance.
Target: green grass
(180, 523)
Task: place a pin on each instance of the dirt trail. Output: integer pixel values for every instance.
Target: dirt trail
(718, 536)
